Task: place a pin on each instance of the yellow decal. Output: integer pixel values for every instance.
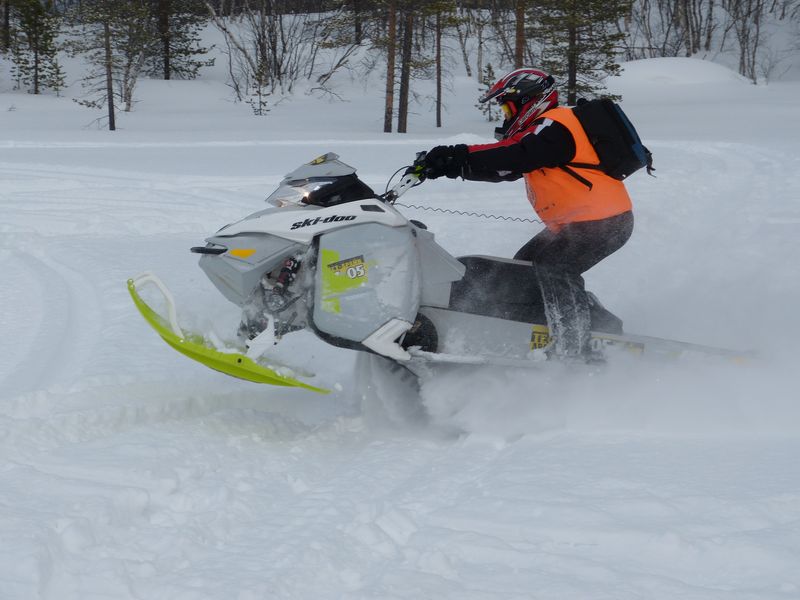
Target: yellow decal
(352, 268)
(340, 276)
(540, 337)
(242, 252)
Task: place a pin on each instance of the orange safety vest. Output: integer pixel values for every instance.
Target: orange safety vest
(560, 198)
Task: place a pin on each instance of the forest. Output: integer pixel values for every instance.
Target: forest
(272, 45)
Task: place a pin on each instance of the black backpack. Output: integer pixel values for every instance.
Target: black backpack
(613, 138)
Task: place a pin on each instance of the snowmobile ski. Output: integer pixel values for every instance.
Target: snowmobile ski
(649, 345)
(200, 349)
(637, 345)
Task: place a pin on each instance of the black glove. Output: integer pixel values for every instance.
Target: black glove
(447, 161)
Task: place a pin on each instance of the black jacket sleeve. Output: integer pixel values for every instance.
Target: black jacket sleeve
(546, 143)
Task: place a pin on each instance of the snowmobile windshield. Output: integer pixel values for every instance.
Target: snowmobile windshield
(297, 192)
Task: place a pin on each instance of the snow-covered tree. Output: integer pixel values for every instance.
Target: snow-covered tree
(34, 51)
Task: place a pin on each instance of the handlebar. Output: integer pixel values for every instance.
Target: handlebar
(413, 176)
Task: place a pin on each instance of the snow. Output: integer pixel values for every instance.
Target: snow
(128, 471)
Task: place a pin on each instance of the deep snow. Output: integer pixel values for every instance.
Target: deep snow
(126, 471)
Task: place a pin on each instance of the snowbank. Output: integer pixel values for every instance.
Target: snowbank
(669, 72)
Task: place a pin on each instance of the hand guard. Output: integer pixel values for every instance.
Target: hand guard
(447, 161)
(418, 168)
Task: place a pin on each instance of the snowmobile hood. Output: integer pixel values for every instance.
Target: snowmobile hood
(303, 223)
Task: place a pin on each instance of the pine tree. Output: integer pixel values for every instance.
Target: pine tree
(489, 109)
(55, 78)
(581, 40)
(116, 37)
(178, 23)
(5, 25)
(34, 51)
(18, 57)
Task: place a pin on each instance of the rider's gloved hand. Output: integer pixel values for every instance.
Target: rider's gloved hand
(446, 161)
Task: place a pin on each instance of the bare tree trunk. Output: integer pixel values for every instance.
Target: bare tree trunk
(686, 17)
(756, 40)
(232, 40)
(36, 67)
(130, 78)
(479, 59)
(5, 42)
(112, 126)
(746, 17)
(697, 27)
(709, 25)
(462, 42)
(405, 71)
(519, 34)
(572, 64)
(357, 29)
(391, 53)
(438, 69)
(164, 10)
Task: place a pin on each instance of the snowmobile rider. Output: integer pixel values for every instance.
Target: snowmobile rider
(587, 214)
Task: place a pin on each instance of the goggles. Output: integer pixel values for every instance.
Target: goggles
(509, 110)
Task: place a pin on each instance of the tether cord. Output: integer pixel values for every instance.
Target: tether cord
(468, 213)
(461, 213)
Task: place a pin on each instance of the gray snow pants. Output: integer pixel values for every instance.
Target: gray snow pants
(560, 260)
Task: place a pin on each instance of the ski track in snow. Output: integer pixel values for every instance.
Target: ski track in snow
(336, 512)
(128, 472)
(61, 344)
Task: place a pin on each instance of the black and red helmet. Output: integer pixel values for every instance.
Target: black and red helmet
(523, 95)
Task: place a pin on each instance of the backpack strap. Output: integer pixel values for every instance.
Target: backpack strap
(572, 172)
(650, 167)
(579, 165)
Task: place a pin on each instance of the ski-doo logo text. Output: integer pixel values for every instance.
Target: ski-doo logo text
(331, 219)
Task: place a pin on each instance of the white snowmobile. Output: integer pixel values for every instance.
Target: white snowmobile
(331, 256)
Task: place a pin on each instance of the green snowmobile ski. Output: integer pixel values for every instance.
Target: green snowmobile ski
(199, 348)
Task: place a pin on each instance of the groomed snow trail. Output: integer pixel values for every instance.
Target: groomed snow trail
(129, 472)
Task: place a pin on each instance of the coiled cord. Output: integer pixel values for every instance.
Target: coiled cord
(449, 211)
(464, 213)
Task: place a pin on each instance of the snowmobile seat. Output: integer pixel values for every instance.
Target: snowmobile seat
(509, 289)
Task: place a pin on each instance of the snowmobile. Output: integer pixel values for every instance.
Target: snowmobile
(331, 256)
